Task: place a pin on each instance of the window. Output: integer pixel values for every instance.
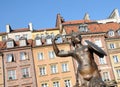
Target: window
(112, 46)
(23, 42)
(44, 85)
(48, 39)
(42, 36)
(23, 56)
(52, 35)
(59, 40)
(11, 74)
(42, 70)
(105, 76)
(98, 42)
(40, 56)
(25, 72)
(116, 59)
(38, 42)
(118, 73)
(51, 54)
(25, 36)
(10, 58)
(64, 67)
(102, 60)
(118, 32)
(83, 28)
(111, 33)
(3, 38)
(67, 83)
(56, 84)
(10, 44)
(17, 37)
(54, 69)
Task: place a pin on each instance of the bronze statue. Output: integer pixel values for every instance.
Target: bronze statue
(87, 69)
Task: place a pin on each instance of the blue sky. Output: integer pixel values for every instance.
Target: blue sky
(42, 13)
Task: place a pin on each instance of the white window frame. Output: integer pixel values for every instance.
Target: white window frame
(10, 58)
(112, 46)
(40, 56)
(23, 56)
(10, 44)
(38, 42)
(25, 72)
(115, 59)
(42, 70)
(56, 84)
(54, 69)
(67, 83)
(44, 85)
(17, 37)
(102, 60)
(65, 67)
(118, 73)
(106, 76)
(23, 42)
(51, 54)
(98, 42)
(11, 74)
(111, 33)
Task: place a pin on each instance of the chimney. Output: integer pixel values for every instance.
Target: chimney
(30, 26)
(8, 28)
(86, 16)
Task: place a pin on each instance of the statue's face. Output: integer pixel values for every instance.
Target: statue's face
(76, 38)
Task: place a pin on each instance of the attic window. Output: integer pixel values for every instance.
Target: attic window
(118, 32)
(10, 44)
(38, 41)
(83, 28)
(22, 41)
(48, 39)
(111, 33)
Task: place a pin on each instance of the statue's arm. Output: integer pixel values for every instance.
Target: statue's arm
(97, 50)
(58, 52)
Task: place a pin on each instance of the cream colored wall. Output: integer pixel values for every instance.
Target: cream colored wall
(12, 35)
(44, 32)
(1, 73)
(60, 76)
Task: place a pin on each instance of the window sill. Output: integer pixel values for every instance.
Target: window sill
(54, 73)
(12, 80)
(65, 71)
(43, 75)
(26, 77)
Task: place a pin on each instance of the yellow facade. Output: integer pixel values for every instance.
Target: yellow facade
(1, 72)
(44, 32)
(50, 78)
(114, 53)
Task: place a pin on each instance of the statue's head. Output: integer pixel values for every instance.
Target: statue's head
(75, 38)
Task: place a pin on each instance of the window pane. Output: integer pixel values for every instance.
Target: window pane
(54, 69)
(40, 56)
(42, 71)
(25, 72)
(56, 84)
(11, 75)
(10, 58)
(64, 67)
(67, 83)
(51, 54)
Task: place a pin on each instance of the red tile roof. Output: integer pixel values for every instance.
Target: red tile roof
(93, 27)
(20, 30)
(76, 22)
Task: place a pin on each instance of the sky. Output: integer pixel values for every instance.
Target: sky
(42, 13)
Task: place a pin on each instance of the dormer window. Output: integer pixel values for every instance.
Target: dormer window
(48, 39)
(83, 28)
(10, 44)
(22, 41)
(38, 41)
(118, 32)
(111, 33)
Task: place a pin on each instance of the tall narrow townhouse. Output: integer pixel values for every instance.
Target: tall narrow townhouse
(52, 71)
(95, 32)
(113, 45)
(18, 63)
(21, 32)
(1, 69)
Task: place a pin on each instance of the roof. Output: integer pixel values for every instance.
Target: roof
(93, 27)
(20, 30)
(76, 22)
(46, 29)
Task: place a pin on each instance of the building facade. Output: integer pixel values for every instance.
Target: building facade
(18, 63)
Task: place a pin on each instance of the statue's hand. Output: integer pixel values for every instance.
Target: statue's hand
(57, 36)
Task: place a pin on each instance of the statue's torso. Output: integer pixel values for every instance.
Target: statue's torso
(87, 66)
